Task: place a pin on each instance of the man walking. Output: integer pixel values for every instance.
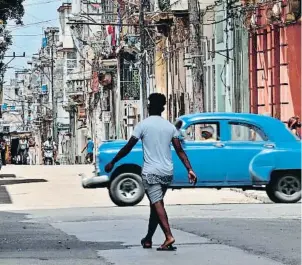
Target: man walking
(89, 146)
(156, 134)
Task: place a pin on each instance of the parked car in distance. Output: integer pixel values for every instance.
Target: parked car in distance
(246, 151)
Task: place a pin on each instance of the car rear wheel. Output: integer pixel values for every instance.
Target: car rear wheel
(126, 189)
(285, 188)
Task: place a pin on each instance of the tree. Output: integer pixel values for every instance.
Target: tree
(5, 42)
(11, 9)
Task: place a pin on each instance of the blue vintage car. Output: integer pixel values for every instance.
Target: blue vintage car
(246, 151)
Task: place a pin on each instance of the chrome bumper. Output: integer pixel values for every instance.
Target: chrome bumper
(94, 182)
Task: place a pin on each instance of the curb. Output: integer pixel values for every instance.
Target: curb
(261, 198)
(2, 176)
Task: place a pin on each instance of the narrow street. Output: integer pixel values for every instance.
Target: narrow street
(205, 92)
(48, 218)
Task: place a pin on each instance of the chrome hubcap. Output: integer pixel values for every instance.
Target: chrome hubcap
(289, 185)
(128, 188)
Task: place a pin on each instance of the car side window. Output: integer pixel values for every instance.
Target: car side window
(246, 132)
(203, 132)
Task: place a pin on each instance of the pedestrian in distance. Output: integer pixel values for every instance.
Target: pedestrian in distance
(22, 150)
(90, 147)
(156, 134)
(3, 149)
(32, 151)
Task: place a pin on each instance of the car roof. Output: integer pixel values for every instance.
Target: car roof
(227, 115)
(269, 124)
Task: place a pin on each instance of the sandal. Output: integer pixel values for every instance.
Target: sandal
(167, 248)
(146, 244)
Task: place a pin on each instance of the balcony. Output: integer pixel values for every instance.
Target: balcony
(75, 90)
(172, 5)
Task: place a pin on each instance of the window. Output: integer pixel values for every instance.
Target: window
(204, 48)
(246, 132)
(71, 62)
(202, 132)
(219, 29)
(214, 87)
(213, 48)
(129, 80)
(6, 129)
(176, 62)
(210, 100)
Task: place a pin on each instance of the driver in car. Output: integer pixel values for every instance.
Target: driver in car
(207, 134)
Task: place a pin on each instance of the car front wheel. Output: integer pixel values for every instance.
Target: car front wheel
(285, 188)
(126, 189)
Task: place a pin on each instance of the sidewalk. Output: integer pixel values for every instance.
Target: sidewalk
(254, 194)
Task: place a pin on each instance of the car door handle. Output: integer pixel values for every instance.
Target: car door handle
(220, 145)
(269, 146)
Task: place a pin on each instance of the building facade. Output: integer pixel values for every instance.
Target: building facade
(275, 58)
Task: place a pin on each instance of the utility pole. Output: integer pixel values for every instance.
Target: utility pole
(3, 70)
(195, 50)
(143, 86)
(53, 31)
(23, 115)
(229, 106)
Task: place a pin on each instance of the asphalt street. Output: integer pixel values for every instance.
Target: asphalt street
(211, 234)
(47, 218)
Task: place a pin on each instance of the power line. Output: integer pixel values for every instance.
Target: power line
(42, 3)
(36, 18)
(30, 24)
(27, 35)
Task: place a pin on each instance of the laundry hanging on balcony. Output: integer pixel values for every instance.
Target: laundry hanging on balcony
(111, 38)
(95, 5)
(95, 82)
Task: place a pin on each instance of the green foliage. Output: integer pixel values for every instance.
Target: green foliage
(11, 9)
(5, 42)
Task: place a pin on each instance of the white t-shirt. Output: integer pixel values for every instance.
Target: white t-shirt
(156, 134)
(47, 144)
